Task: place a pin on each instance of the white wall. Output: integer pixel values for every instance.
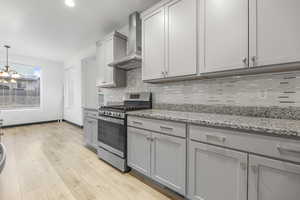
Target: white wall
(51, 94)
(73, 113)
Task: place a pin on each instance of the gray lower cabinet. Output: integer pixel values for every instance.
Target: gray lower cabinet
(158, 156)
(268, 177)
(216, 173)
(168, 161)
(139, 150)
(91, 132)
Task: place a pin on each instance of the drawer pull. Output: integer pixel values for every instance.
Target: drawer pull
(288, 149)
(215, 137)
(135, 122)
(166, 128)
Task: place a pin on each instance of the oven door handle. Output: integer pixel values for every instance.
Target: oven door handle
(112, 120)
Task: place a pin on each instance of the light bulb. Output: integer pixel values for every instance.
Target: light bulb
(70, 3)
(15, 75)
(5, 74)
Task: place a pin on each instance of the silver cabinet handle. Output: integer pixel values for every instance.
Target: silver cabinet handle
(289, 149)
(166, 128)
(215, 137)
(245, 60)
(149, 138)
(135, 122)
(253, 59)
(164, 73)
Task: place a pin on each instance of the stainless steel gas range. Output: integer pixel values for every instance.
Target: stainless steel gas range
(112, 128)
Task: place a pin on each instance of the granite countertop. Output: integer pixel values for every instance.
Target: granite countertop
(275, 127)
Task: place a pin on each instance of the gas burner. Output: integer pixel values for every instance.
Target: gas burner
(136, 101)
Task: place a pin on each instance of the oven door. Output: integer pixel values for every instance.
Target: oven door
(112, 135)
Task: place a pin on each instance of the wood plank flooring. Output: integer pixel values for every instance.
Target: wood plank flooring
(49, 162)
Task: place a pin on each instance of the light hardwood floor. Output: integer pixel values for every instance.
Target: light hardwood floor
(49, 162)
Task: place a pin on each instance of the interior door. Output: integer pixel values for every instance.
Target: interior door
(224, 43)
(273, 180)
(153, 45)
(274, 32)
(168, 166)
(181, 17)
(216, 173)
(139, 150)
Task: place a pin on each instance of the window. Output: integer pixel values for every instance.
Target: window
(23, 92)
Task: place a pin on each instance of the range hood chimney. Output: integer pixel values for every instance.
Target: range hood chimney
(134, 46)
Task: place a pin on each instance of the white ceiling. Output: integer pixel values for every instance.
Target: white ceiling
(49, 29)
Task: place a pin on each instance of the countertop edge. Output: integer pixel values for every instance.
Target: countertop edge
(248, 129)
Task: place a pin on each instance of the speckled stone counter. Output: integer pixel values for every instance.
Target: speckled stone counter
(274, 127)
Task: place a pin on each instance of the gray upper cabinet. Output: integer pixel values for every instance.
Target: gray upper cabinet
(153, 44)
(168, 161)
(273, 180)
(223, 35)
(274, 32)
(181, 34)
(185, 38)
(138, 150)
(109, 49)
(216, 173)
(89, 79)
(169, 40)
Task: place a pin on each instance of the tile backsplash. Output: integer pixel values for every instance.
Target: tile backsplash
(275, 89)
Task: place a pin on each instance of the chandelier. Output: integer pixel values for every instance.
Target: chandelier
(6, 72)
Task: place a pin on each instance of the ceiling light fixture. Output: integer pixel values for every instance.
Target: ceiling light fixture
(70, 3)
(7, 72)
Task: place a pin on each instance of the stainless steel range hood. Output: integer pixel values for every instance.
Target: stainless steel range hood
(134, 46)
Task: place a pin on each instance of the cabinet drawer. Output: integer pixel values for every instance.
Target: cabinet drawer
(89, 113)
(277, 147)
(167, 127)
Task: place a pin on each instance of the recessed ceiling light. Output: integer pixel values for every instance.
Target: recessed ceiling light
(70, 3)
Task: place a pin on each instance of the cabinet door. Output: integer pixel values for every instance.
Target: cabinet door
(168, 163)
(101, 63)
(87, 128)
(273, 180)
(94, 132)
(224, 44)
(274, 32)
(109, 58)
(153, 45)
(138, 150)
(181, 37)
(89, 82)
(216, 173)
